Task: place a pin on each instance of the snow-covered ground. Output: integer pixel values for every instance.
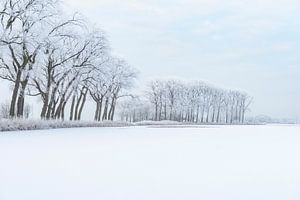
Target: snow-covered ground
(140, 163)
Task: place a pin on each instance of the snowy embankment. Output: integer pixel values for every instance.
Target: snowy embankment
(21, 125)
(175, 123)
(149, 123)
(140, 163)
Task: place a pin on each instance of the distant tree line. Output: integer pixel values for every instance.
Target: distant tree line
(59, 59)
(194, 102)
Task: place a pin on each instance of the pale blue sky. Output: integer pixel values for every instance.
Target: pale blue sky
(250, 45)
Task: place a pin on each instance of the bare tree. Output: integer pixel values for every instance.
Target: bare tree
(109, 85)
(23, 27)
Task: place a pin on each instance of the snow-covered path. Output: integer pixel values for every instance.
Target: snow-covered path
(139, 163)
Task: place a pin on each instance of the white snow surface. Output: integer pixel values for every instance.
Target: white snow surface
(152, 163)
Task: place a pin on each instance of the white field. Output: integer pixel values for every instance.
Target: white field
(139, 163)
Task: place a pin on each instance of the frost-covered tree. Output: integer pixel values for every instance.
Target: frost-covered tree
(194, 102)
(109, 85)
(24, 26)
(55, 63)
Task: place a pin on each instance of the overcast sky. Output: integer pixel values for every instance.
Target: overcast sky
(249, 45)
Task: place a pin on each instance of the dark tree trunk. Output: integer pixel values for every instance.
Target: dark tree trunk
(21, 98)
(52, 104)
(156, 112)
(57, 114)
(171, 113)
(100, 109)
(113, 113)
(20, 104)
(72, 107)
(82, 105)
(96, 112)
(12, 110)
(63, 110)
(49, 110)
(105, 111)
(111, 108)
(77, 106)
(45, 106)
(231, 117)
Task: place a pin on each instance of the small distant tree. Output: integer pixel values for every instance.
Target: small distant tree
(4, 110)
(27, 111)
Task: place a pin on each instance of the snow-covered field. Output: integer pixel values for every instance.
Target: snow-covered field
(140, 163)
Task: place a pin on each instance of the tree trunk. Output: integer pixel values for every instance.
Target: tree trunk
(20, 104)
(111, 109)
(227, 115)
(113, 113)
(82, 105)
(104, 116)
(165, 109)
(77, 106)
(63, 110)
(57, 114)
(21, 98)
(72, 107)
(97, 111)
(218, 114)
(100, 109)
(197, 115)
(52, 104)
(202, 115)
(45, 106)
(12, 112)
(207, 116)
(171, 113)
(156, 112)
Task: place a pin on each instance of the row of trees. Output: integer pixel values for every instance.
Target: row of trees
(194, 102)
(45, 53)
